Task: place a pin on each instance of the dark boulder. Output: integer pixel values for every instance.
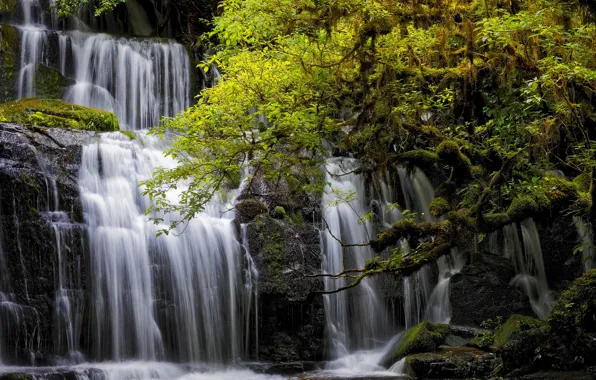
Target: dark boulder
(292, 316)
(481, 291)
(455, 363)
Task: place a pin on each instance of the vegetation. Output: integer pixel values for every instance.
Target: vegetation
(424, 337)
(497, 95)
(58, 114)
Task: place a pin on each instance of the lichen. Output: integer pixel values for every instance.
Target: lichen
(53, 113)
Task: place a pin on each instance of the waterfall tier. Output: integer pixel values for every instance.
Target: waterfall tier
(140, 80)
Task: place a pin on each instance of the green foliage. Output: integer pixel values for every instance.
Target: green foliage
(69, 7)
(278, 212)
(439, 206)
(576, 307)
(496, 98)
(58, 114)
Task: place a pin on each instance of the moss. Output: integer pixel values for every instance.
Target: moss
(248, 210)
(522, 207)
(424, 337)
(8, 5)
(482, 340)
(131, 135)
(49, 83)
(439, 206)
(9, 61)
(53, 113)
(514, 324)
(278, 212)
(421, 158)
(477, 171)
(496, 220)
(583, 182)
(449, 154)
(576, 307)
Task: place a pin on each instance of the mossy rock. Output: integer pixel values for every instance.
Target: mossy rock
(522, 207)
(583, 182)
(575, 309)
(49, 83)
(248, 209)
(52, 113)
(9, 61)
(483, 340)
(8, 5)
(439, 206)
(514, 324)
(424, 337)
(278, 212)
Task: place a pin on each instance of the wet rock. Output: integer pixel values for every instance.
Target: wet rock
(481, 291)
(292, 316)
(558, 239)
(567, 341)
(39, 196)
(456, 363)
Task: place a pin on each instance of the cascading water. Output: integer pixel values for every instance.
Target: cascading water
(526, 255)
(141, 81)
(356, 319)
(251, 296)
(172, 296)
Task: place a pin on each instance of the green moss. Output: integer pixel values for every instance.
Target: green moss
(583, 182)
(49, 83)
(424, 337)
(439, 206)
(522, 207)
(8, 5)
(496, 220)
(514, 324)
(131, 135)
(575, 309)
(483, 340)
(53, 113)
(9, 61)
(449, 154)
(421, 158)
(278, 212)
(248, 210)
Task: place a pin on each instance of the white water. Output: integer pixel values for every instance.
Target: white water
(140, 80)
(526, 255)
(179, 292)
(356, 319)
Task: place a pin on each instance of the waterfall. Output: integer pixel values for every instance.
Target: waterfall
(356, 319)
(151, 293)
(251, 296)
(140, 80)
(526, 255)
